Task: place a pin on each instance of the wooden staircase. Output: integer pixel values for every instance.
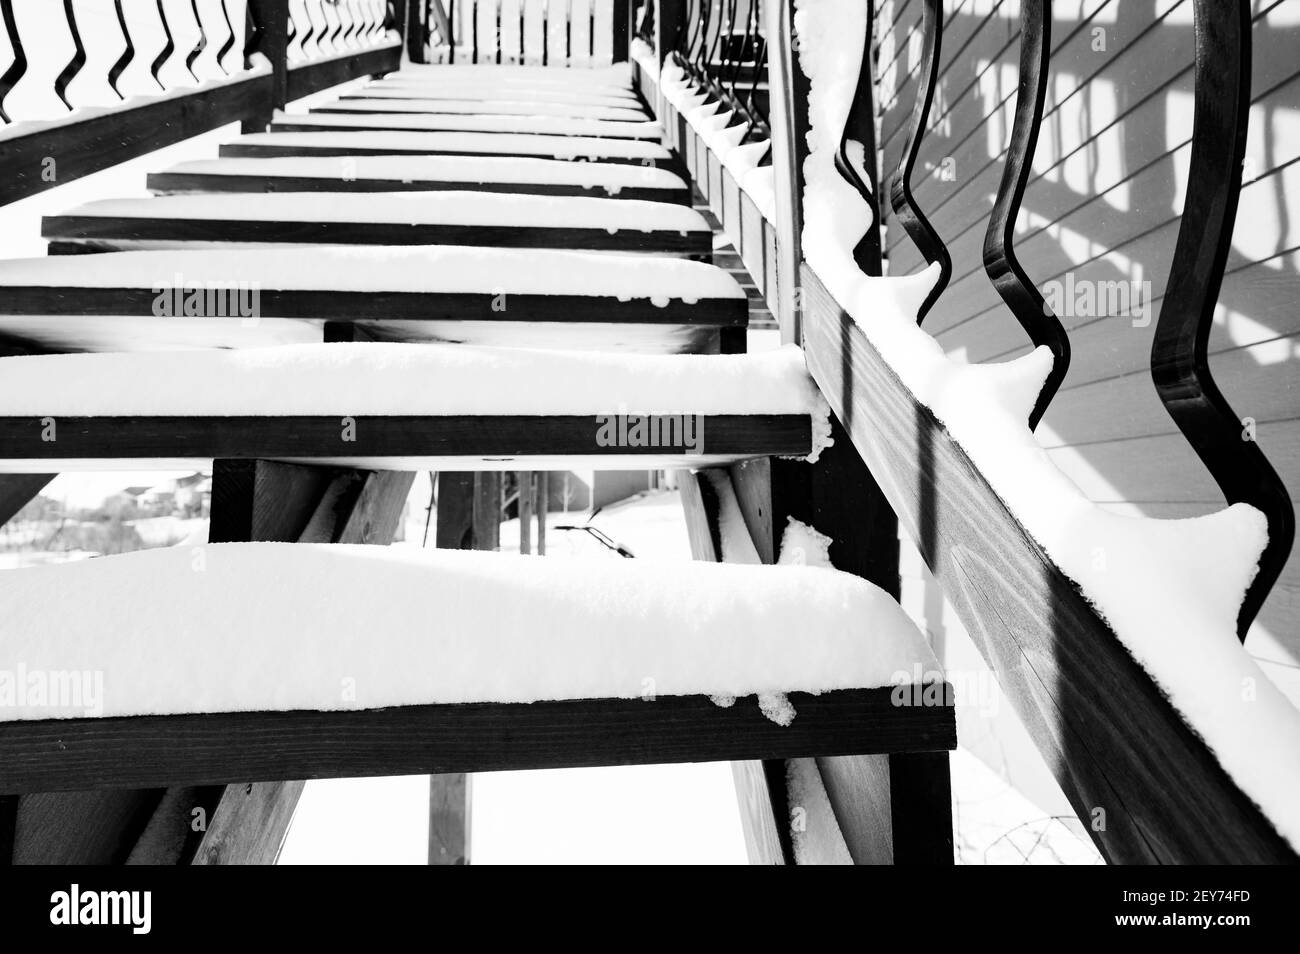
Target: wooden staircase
(502, 206)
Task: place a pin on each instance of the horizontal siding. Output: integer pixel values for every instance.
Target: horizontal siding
(1103, 206)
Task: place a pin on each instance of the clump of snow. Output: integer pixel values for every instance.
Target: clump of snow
(1149, 579)
(644, 56)
(723, 702)
(801, 545)
(452, 627)
(777, 707)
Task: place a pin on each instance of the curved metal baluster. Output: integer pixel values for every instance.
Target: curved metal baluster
(230, 39)
(78, 56)
(498, 43)
(1010, 280)
(169, 47)
(253, 34)
(861, 120)
(310, 30)
(348, 39)
(128, 54)
(707, 57)
(759, 127)
(522, 50)
(334, 39)
(910, 216)
(200, 45)
(568, 33)
(746, 48)
(1179, 360)
(546, 30)
(295, 33)
(473, 30)
(18, 68)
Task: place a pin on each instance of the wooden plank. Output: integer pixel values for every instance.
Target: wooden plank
(249, 824)
(40, 155)
(449, 820)
(201, 749)
(757, 816)
(312, 76)
(94, 233)
(1126, 751)
(263, 150)
(328, 437)
(180, 182)
(53, 301)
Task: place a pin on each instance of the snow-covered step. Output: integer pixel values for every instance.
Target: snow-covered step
(395, 289)
(452, 122)
(398, 142)
(487, 75)
(422, 174)
(406, 407)
(398, 88)
(361, 103)
(399, 218)
(336, 660)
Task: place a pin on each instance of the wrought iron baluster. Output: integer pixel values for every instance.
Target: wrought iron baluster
(78, 56)
(128, 53)
(253, 34)
(910, 216)
(546, 31)
(1000, 262)
(860, 128)
(230, 39)
(1179, 353)
(309, 32)
(473, 26)
(18, 68)
(200, 45)
(498, 42)
(522, 51)
(568, 33)
(334, 7)
(169, 47)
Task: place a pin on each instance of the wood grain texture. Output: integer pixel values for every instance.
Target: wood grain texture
(184, 182)
(83, 754)
(1125, 750)
(83, 144)
(249, 824)
(92, 233)
(53, 301)
(290, 437)
(449, 819)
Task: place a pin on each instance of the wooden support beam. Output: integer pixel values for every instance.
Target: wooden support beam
(18, 490)
(469, 518)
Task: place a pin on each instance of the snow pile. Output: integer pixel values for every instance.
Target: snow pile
(552, 147)
(617, 76)
(546, 125)
(411, 208)
(644, 56)
(801, 545)
(374, 378)
(610, 177)
(453, 626)
(423, 89)
(712, 124)
(1170, 589)
(432, 269)
(490, 107)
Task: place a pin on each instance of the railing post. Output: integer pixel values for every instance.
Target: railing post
(414, 28)
(622, 30)
(270, 18)
(668, 20)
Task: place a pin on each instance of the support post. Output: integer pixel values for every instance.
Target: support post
(272, 22)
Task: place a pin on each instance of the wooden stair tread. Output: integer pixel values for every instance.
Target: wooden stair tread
(443, 678)
(405, 88)
(360, 103)
(406, 404)
(420, 174)
(404, 218)
(452, 122)
(397, 142)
